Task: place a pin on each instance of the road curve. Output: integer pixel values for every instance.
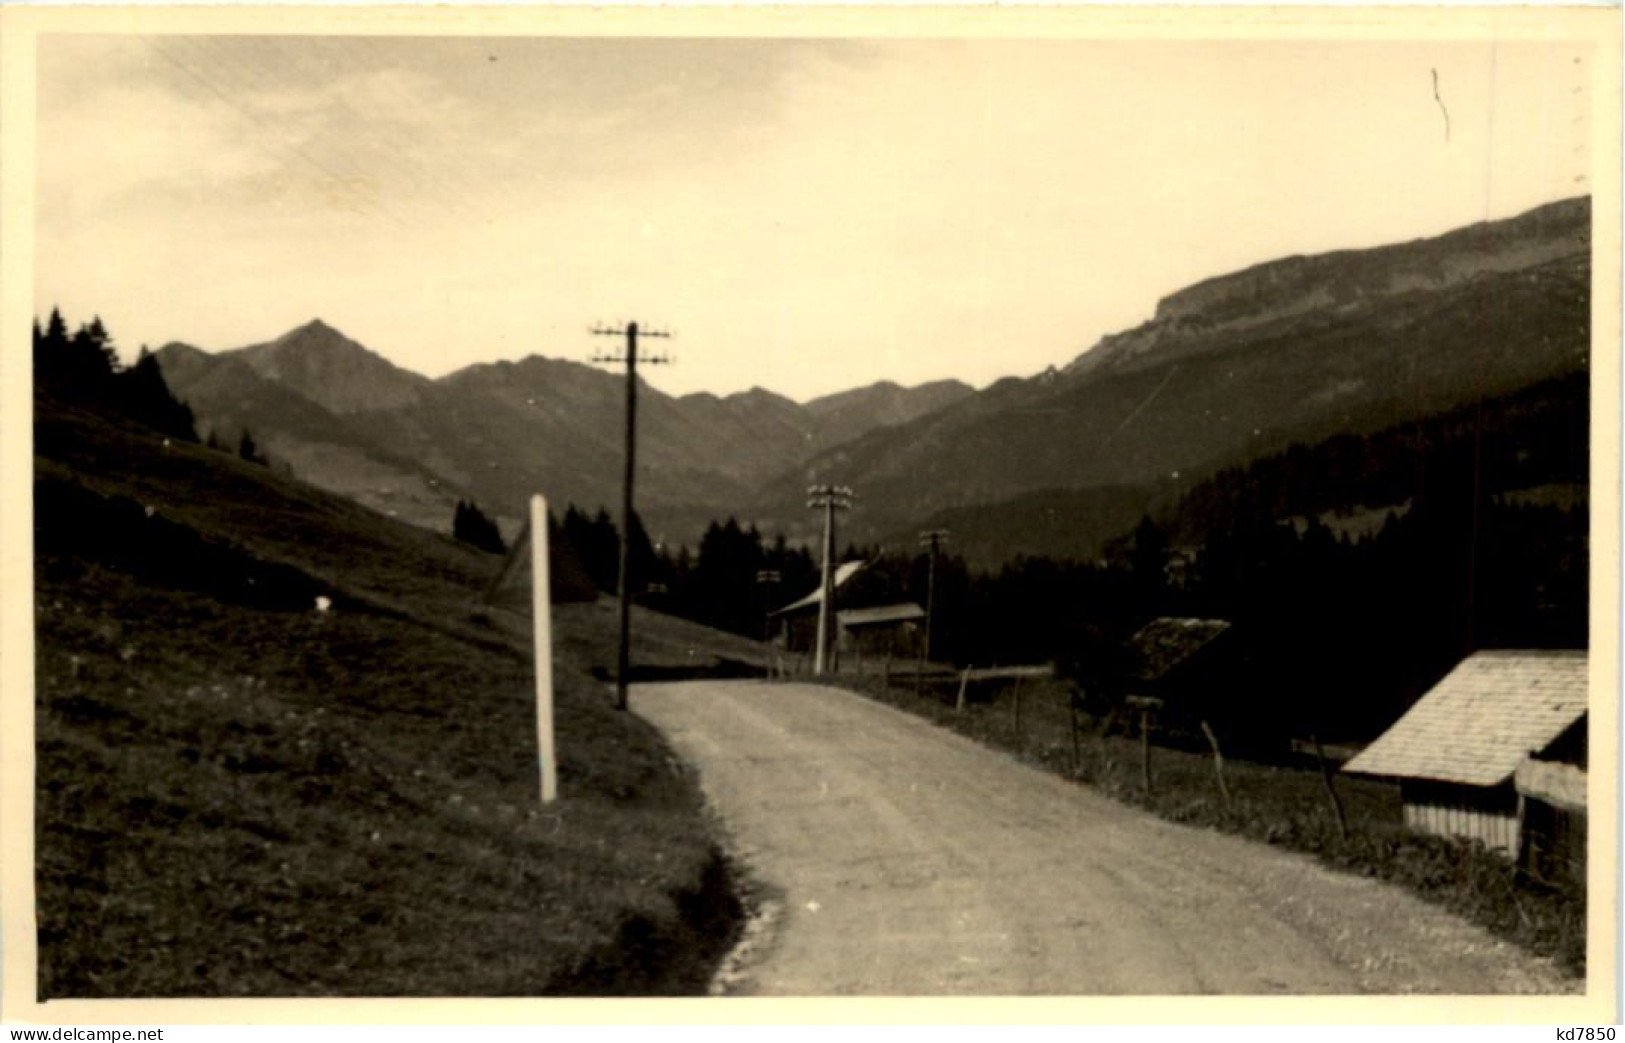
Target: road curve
(907, 860)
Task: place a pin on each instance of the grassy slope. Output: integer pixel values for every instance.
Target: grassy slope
(240, 795)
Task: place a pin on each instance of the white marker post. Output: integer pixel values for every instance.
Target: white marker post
(541, 605)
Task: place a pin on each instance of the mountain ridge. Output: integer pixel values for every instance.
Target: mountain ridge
(349, 420)
(1346, 280)
(1159, 400)
(1229, 368)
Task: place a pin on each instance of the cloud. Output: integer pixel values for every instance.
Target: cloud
(932, 207)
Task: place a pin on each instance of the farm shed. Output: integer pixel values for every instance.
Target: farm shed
(1183, 666)
(795, 626)
(1553, 789)
(883, 630)
(1458, 751)
(1167, 655)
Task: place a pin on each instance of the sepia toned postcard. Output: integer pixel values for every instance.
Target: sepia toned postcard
(753, 514)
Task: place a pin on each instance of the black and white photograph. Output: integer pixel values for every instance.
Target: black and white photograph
(739, 506)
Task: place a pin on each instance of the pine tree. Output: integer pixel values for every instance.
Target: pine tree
(58, 359)
(89, 362)
(56, 333)
(144, 395)
(248, 450)
(470, 525)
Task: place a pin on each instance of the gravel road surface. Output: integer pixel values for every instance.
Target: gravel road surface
(894, 857)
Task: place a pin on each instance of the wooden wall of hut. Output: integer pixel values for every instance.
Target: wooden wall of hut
(1489, 814)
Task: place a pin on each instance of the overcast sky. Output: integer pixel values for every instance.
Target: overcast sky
(805, 215)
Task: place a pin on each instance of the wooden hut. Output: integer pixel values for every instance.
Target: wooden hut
(1179, 666)
(795, 626)
(1457, 753)
(1166, 655)
(1164, 675)
(1552, 788)
(882, 631)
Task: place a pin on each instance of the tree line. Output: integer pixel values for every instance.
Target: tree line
(83, 367)
(730, 581)
(1355, 572)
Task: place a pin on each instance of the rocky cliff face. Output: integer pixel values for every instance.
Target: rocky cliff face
(1243, 365)
(1267, 296)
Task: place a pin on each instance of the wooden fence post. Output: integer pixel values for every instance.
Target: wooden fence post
(1018, 713)
(1103, 740)
(1218, 762)
(1331, 788)
(1145, 749)
(1077, 747)
(964, 682)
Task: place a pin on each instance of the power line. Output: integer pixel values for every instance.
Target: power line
(260, 122)
(623, 581)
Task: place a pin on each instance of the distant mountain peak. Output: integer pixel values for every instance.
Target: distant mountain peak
(333, 370)
(317, 334)
(758, 395)
(180, 348)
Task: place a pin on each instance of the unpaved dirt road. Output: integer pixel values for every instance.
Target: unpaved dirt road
(902, 859)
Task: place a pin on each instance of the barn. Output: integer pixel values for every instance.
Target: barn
(1459, 753)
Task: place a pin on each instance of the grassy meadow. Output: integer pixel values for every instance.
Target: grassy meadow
(241, 794)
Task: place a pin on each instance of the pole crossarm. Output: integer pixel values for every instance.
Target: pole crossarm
(837, 496)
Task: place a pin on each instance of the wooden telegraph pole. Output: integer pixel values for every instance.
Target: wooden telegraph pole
(933, 538)
(623, 582)
(831, 498)
(768, 580)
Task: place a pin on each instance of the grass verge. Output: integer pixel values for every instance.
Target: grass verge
(1281, 804)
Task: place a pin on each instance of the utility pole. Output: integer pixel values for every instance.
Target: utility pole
(933, 538)
(768, 579)
(831, 498)
(623, 582)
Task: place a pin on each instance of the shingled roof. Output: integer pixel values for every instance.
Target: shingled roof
(843, 572)
(1163, 644)
(879, 615)
(1482, 720)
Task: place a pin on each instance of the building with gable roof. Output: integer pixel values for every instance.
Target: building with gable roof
(1460, 752)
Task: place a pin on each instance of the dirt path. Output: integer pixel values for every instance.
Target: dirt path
(908, 860)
